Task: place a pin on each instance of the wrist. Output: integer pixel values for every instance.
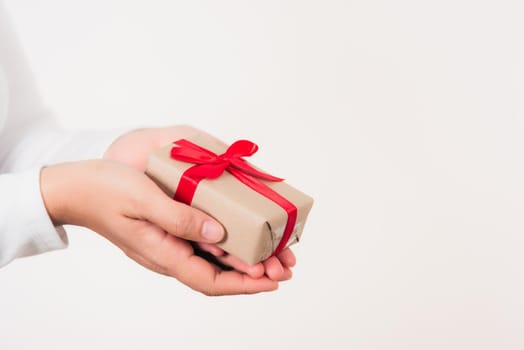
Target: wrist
(61, 187)
(52, 188)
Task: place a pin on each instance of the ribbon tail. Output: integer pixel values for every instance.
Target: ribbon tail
(244, 166)
(274, 196)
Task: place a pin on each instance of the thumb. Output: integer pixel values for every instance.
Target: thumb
(184, 221)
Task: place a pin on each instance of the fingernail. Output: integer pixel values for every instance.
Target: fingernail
(212, 231)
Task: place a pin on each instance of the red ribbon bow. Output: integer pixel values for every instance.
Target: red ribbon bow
(210, 166)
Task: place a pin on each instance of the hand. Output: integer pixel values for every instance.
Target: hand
(126, 207)
(133, 149)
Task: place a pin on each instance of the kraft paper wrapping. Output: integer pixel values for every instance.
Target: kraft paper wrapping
(254, 224)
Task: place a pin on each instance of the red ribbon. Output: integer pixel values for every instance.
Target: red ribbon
(210, 166)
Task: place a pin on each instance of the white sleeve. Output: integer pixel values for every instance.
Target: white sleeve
(29, 139)
(25, 228)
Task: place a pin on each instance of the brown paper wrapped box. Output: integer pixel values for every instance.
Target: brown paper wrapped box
(254, 224)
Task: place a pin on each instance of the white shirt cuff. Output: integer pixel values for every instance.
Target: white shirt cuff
(27, 228)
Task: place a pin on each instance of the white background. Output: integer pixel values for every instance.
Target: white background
(404, 119)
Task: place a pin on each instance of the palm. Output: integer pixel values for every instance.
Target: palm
(173, 256)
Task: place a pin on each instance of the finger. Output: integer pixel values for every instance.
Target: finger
(232, 262)
(205, 277)
(286, 275)
(211, 248)
(233, 282)
(182, 220)
(254, 271)
(287, 258)
(209, 257)
(274, 269)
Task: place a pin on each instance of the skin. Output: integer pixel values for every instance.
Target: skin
(151, 228)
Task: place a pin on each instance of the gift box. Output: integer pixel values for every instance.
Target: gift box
(262, 214)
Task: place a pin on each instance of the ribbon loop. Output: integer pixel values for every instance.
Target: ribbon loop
(242, 148)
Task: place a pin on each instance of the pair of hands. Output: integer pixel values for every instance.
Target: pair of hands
(115, 198)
